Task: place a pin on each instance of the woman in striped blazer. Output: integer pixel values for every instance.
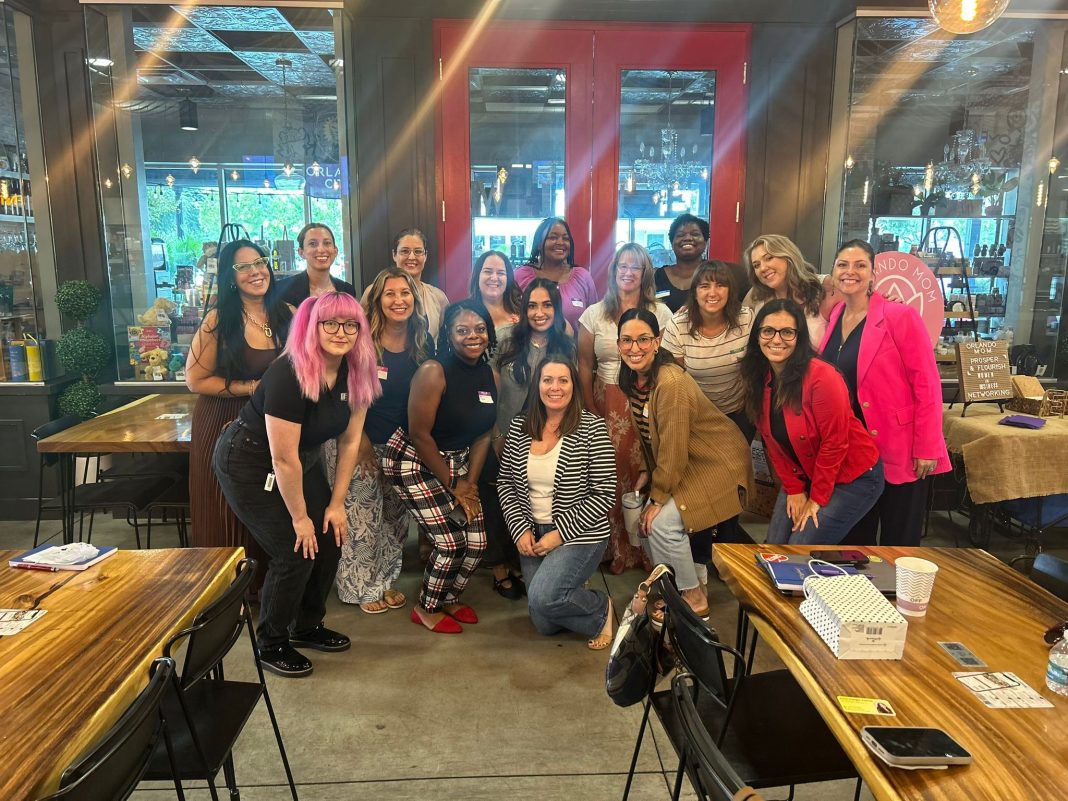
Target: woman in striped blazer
(557, 483)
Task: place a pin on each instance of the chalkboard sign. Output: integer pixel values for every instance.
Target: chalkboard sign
(983, 369)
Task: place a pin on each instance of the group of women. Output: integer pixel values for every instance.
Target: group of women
(507, 425)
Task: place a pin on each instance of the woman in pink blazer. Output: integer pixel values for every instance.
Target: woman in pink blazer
(884, 353)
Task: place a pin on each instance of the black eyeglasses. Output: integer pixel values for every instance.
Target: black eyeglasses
(767, 333)
(256, 264)
(331, 326)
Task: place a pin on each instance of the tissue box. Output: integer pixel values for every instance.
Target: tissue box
(854, 618)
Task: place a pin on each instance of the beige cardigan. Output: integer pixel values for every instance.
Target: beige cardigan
(701, 458)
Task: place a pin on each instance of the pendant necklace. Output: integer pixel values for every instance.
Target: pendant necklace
(265, 327)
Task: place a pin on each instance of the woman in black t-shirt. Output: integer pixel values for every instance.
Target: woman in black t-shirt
(377, 518)
(269, 470)
(435, 464)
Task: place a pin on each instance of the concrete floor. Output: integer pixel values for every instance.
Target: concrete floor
(497, 712)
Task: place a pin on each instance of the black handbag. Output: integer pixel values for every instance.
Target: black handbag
(635, 659)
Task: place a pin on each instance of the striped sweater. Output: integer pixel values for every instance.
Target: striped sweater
(584, 488)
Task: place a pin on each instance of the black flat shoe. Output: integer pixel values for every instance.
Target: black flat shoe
(513, 592)
(284, 660)
(518, 581)
(321, 639)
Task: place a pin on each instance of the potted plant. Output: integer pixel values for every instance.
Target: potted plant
(80, 349)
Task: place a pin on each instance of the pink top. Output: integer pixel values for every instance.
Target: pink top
(898, 388)
(577, 292)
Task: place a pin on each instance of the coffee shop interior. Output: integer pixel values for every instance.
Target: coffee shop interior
(138, 138)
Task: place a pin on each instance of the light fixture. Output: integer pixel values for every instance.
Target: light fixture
(867, 191)
(194, 165)
(316, 168)
(169, 179)
(187, 115)
(287, 135)
(850, 163)
(963, 157)
(337, 185)
(704, 174)
(100, 62)
(672, 168)
(928, 177)
(630, 182)
(966, 16)
(287, 168)
(1040, 194)
(266, 183)
(107, 183)
(126, 171)
(977, 183)
(234, 175)
(1054, 165)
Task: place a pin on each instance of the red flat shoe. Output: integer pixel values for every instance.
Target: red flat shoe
(463, 613)
(444, 626)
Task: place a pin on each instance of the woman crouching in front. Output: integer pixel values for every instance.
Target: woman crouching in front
(830, 469)
(557, 483)
(268, 466)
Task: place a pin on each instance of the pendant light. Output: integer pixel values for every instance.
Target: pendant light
(966, 16)
(187, 115)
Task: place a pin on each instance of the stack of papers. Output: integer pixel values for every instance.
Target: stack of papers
(75, 556)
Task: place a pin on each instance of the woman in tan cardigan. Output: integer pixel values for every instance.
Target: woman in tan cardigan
(697, 459)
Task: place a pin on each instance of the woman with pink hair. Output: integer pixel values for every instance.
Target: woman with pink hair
(268, 466)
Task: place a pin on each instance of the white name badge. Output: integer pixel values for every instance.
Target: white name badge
(344, 396)
(577, 303)
(645, 410)
(663, 293)
(484, 397)
(383, 373)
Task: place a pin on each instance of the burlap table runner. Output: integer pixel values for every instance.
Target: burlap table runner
(1003, 462)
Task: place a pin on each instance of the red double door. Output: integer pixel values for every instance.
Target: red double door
(617, 128)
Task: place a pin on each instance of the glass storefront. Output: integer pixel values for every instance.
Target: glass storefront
(953, 153)
(209, 119)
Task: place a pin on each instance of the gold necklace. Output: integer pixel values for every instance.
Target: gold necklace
(265, 326)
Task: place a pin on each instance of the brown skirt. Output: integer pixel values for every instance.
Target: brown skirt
(213, 524)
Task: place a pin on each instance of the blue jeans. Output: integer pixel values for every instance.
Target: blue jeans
(556, 597)
(848, 504)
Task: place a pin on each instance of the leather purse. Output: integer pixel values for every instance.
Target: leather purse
(635, 659)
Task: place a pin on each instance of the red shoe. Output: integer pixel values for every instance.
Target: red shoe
(463, 613)
(444, 626)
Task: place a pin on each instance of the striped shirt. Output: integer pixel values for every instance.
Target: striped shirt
(639, 409)
(714, 362)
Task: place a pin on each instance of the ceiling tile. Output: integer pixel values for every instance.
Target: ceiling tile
(229, 18)
(307, 69)
(261, 40)
(321, 42)
(191, 40)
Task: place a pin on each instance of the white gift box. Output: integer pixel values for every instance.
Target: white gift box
(854, 618)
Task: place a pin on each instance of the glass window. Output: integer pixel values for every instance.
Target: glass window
(517, 156)
(213, 118)
(666, 121)
(952, 154)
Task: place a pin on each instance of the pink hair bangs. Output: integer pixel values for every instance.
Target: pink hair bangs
(304, 351)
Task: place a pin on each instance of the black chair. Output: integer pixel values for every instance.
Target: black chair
(206, 712)
(1047, 571)
(116, 763)
(50, 460)
(134, 495)
(710, 773)
(173, 501)
(751, 717)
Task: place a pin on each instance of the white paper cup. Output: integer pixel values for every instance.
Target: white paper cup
(633, 503)
(915, 581)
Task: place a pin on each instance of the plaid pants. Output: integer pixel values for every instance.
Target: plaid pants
(456, 554)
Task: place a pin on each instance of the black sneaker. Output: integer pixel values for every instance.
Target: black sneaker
(286, 661)
(321, 639)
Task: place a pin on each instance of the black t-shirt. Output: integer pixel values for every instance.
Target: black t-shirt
(778, 428)
(667, 293)
(844, 355)
(390, 411)
(279, 396)
(468, 407)
(296, 289)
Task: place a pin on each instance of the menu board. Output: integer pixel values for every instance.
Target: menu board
(983, 369)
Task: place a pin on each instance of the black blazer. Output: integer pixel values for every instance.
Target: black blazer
(584, 489)
(296, 289)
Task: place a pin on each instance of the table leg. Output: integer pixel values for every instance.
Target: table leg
(66, 494)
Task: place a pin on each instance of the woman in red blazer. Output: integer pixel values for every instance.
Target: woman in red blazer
(830, 469)
(884, 353)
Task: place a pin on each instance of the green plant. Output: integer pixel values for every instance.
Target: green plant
(80, 349)
(81, 398)
(77, 299)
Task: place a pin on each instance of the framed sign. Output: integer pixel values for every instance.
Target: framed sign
(906, 279)
(983, 370)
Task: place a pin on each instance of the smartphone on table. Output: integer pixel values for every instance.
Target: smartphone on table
(914, 747)
(841, 557)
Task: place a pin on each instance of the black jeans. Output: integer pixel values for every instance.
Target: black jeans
(500, 548)
(294, 591)
(897, 517)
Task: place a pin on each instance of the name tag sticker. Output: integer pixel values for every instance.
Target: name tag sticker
(484, 397)
(383, 373)
(577, 303)
(663, 293)
(344, 396)
(866, 706)
(645, 410)
(268, 485)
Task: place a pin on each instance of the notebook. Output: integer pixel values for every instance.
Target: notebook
(788, 573)
(51, 558)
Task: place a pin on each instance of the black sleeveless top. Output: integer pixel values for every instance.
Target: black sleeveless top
(468, 407)
(254, 363)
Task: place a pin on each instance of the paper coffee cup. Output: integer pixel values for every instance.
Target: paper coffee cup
(633, 503)
(915, 581)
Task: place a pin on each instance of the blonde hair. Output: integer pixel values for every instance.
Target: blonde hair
(803, 283)
(648, 286)
(418, 336)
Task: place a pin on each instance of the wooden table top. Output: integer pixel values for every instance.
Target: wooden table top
(996, 612)
(133, 428)
(69, 676)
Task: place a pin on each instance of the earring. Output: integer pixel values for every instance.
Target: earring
(871, 288)
(233, 285)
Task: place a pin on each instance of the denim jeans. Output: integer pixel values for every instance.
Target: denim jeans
(848, 504)
(669, 543)
(556, 597)
(294, 591)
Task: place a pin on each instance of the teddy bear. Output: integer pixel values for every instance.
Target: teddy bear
(154, 364)
(159, 313)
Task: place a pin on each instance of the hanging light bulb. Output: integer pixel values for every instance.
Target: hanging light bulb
(169, 179)
(126, 170)
(1054, 165)
(287, 168)
(234, 175)
(704, 174)
(194, 165)
(656, 197)
(107, 183)
(928, 177)
(966, 16)
(850, 163)
(316, 168)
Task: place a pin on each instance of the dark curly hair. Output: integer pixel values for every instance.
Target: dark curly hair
(449, 316)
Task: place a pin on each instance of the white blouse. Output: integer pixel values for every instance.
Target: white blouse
(541, 473)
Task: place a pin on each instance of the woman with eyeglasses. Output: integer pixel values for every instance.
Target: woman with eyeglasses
(317, 245)
(552, 256)
(778, 270)
(410, 253)
(630, 286)
(697, 463)
(268, 464)
(435, 464)
(830, 468)
(377, 518)
(884, 353)
(236, 342)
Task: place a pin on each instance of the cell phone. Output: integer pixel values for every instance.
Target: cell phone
(841, 557)
(899, 745)
(456, 519)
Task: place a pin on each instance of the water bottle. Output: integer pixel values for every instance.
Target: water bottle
(1057, 670)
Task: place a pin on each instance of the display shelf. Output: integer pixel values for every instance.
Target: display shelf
(15, 218)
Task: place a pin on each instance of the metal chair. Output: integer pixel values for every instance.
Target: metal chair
(50, 460)
(116, 763)
(1047, 571)
(175, 501)
(206, 712)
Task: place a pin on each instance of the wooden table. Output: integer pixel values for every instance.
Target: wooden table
(133, 428)
(997, 613)
(68, 677)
